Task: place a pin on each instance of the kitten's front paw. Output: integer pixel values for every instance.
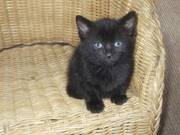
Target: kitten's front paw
(95, 106)
(119, 100)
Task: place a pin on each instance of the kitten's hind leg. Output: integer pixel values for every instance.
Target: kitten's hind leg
(72, 91)
(119, 95)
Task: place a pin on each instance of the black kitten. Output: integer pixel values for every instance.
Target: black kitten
(102, 64)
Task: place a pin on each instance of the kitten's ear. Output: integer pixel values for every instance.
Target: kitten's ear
(129, 21)
(83, 26)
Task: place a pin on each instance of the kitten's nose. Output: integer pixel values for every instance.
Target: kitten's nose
(109, 55)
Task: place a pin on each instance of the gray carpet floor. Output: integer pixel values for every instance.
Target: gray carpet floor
(169, 15)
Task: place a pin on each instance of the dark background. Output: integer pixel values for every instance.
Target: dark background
(169, 15)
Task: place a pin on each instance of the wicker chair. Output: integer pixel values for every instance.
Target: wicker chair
(33, 99)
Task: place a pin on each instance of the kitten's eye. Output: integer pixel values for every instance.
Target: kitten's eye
(118, 44)
(98, 45)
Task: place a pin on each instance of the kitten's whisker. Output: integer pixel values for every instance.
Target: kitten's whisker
(99, 69)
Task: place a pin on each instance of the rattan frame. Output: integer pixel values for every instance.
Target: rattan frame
(33, 78)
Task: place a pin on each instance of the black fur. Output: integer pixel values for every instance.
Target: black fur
(96, 73)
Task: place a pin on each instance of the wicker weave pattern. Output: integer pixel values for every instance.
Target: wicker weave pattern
(37, 90)
(33, 78)
(45, 20)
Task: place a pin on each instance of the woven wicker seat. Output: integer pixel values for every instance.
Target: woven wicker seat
(33, 100)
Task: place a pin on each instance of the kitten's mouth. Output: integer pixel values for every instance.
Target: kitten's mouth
(109, 62)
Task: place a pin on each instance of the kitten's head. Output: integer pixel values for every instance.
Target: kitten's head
(107, 41)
